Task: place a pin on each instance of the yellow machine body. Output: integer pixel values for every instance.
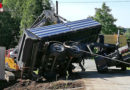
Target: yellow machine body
(11, 64)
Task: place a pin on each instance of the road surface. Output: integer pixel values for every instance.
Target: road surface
(114, 80)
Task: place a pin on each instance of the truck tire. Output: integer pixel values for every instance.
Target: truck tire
(105, 70)
(101, 64)
(3, 84)
(50, 76)
(123, 68)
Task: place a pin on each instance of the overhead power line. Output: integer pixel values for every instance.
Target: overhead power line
(98, 2)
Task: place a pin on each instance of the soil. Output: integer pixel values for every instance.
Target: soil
(60, 84)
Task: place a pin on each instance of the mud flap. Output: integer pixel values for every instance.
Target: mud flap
(101, 64)
(2, 63)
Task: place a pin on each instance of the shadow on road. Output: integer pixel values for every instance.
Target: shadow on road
(110, 74)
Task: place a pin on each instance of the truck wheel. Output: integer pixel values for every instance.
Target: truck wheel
(50, 76)
(123, 68)
(105, 70)
(3, 84)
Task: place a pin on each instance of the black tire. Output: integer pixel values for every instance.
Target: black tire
(123, 68)
(105, 70)
(101, 64)
(3, 84)
(50, 76)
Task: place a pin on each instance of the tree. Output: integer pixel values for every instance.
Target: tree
(32, 10)
(9, 31)
(19, 14)
(15, 7)
(122, 29)
(128, 33)
(26, 11)
(10, 19)
(106, 19)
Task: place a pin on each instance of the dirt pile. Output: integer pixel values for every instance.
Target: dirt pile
(61, 84)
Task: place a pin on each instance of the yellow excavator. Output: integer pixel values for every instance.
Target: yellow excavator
(10, 64)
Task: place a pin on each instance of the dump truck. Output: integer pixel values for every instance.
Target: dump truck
(50, 50)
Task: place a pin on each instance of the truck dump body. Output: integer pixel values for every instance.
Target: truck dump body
(76, 30)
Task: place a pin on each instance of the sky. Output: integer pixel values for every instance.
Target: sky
(72, 11)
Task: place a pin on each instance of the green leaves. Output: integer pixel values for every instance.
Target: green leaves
(127, 34)
(8, 30)
(32, 10)
(106, 19)
(19, 15)
(26, 11)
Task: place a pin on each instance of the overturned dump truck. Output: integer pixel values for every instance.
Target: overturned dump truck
(46, 49)
(50, 51)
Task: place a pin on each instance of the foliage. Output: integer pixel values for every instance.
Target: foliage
(8, 30)
(26, 11)
(127, 34)
(30, 13)
(19, 14)
(122, 30)
(106, 19)
(14, 7)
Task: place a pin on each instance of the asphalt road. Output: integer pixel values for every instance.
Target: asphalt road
(113, 80)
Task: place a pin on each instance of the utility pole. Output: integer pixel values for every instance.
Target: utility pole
(118, 36)
(57, 7)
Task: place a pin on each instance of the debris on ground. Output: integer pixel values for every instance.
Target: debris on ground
(61, 84)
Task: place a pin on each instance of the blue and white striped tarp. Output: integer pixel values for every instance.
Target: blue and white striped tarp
(56, 29)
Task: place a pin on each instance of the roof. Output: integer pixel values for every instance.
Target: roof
(50, 30)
